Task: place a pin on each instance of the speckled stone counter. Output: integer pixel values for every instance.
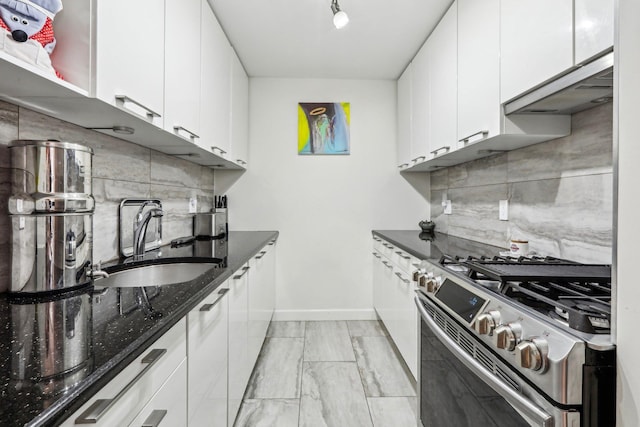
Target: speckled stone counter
(432, 247)
(98, 332)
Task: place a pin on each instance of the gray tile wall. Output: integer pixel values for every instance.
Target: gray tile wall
(560, 193)
(120, 170)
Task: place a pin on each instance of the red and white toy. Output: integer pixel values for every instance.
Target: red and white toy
(28, 30)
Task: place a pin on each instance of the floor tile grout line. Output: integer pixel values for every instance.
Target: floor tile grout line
(364, 392)
(304, 345)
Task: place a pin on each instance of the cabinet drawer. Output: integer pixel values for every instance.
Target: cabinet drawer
(118, 402)
(168, 407)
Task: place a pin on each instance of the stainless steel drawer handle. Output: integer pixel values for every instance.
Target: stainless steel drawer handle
(402, 278)
(404, 165)
(239, 276)
(122, 101)
(240, 161)
(262, 253)
(484, 133)
(418, 159)
(444, 150)
(155, 418)
(386, 264)
(178, 128)
(271, 243)
(214, 149)
(375, 254)
(403, 256)
(209, 307)
(101, 406)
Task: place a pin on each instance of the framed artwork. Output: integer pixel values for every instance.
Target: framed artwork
(323, 128)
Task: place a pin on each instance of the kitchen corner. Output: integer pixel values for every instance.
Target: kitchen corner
(115, 339)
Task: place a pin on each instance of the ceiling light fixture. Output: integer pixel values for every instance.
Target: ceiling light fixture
(340, 18)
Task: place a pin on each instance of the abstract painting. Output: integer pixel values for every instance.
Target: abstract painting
(323, 128)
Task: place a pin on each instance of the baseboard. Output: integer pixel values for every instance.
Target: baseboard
(284, 315)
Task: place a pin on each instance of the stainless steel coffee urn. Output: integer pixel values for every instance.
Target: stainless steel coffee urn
(51, 209)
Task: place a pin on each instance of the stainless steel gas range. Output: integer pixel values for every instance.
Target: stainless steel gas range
(515, 342)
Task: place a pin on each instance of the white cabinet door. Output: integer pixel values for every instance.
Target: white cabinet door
(207, 327)
(182, 68)
(442, 56)
(168, 407)
(239, 369)
(478, 69)
(378, 290)
(593, 28)
(130, 56)
(239, 112)
(420, 107)
(385, 308)
(407, 342)
(215, 100)
(261, 299)
(536, 43)
(403, 112)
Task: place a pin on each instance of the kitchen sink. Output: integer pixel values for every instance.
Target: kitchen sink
(154, 275)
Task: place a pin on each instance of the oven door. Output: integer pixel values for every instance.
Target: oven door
(460, 385)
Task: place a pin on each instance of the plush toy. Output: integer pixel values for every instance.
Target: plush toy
(28, 34)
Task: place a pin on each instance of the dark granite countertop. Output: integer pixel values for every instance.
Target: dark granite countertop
(97, 333)
(432, 247)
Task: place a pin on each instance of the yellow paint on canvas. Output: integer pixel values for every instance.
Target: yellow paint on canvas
(346, 106)
(303, 129)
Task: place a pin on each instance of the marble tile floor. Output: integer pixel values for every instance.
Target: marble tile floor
(329, 374)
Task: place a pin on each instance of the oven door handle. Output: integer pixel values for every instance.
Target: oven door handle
(526, 408)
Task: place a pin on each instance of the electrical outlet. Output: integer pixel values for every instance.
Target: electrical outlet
(193, 205)
(447, 207)
(503, 210)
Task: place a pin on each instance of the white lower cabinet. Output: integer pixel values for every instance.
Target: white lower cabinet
(393, 293)
(120, 401)
(261, 299)
(239, 369)
(207, 352)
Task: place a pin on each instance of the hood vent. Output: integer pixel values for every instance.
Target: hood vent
(581, 89)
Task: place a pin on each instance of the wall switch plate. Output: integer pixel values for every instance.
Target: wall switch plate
(503, 212)
(447, 207)
(193, 205)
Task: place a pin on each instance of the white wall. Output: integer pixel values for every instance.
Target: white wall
(628, 227)
(324, 206)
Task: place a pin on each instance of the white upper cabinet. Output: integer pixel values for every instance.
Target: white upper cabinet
(215, 98)
(403, 112)
(442, 59)
(536, 43)
(420, 106)
(239, 112)
(594, 28)
(130, 56)
(478, 69)
(182, 68)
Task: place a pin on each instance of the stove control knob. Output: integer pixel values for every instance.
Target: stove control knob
(506, 336)
(531, 354)
(486, 322)
(433, 284)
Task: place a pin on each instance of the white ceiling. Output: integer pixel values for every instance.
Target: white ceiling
(296, 38)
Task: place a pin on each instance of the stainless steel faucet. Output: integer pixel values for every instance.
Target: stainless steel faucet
(140, 225)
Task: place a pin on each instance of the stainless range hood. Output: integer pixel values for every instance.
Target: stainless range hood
(581, 89)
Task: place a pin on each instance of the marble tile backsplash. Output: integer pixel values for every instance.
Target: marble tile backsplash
(120, 170)
(560, 193)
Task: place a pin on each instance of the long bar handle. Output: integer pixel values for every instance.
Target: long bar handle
(101, 406)
(404, 165)
(178, 128)
(403, 256)
(209, 307)
(484, 133)
(244, 271)
(262, 253)
(436, 152)
(240, 161)
(386, 264)
(123, 99)
(402, 278)
(375, 254)
(214, 148)
(155, 418)
(519, 402)
(419, 158)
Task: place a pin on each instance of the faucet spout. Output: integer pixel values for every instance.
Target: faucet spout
(140, 226)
